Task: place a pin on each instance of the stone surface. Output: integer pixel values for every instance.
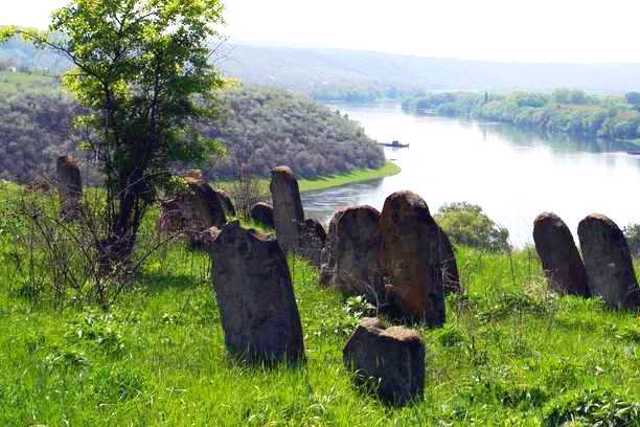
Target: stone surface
(69, 183)
(227, 203)
(311, 241)
(262, 213)
(560, 258)
(288, 216)
(255, 296)
(389, 362)
(412, 258)
(608, 262)
(194, 210)
(350, 261)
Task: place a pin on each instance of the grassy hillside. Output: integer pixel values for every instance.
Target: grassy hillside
(510, 354)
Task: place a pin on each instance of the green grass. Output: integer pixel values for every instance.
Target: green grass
(510, 354)
(325, 183)
(358, 175)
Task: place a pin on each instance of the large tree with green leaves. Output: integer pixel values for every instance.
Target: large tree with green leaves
(143, 72)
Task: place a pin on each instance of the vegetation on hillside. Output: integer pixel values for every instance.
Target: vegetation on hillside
(262, 128)
(511, 353)
(563, 111)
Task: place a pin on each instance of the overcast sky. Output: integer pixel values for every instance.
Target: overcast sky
(503, 30)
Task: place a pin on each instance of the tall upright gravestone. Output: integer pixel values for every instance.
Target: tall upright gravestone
(560, 258)
(608, 262)
(412, 256)
(288, 215)
(350, 261)
(253, 286)
(69, 187)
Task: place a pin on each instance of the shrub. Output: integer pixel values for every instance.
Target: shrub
(632, 233)
(467, 225)
(592, 407)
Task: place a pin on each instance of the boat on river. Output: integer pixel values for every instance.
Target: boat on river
(394, 144)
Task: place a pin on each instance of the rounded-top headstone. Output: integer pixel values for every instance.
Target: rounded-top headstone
(608, 262)
(560, 258)
(411, 253)
(262, 213)
(288, 214)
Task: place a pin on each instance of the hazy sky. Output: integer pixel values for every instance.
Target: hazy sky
(505, 30)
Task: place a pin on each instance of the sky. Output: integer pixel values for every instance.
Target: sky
(586, 31)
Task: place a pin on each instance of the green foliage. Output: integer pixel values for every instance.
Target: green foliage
(592, 408)
(467, 225)
(632, 234)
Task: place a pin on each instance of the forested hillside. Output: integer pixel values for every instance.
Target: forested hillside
(563, 111)
(261, 128)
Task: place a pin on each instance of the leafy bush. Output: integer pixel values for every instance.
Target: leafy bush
(592, 407)
(468, 225)
(632, 233)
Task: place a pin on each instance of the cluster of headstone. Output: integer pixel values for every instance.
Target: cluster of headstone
(400, 259)
(605, 269)
(194, 210)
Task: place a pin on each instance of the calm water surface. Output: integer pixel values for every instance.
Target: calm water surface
(514, 175)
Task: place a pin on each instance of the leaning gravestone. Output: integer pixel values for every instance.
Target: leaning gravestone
(193, 210)
(69, 188)
(288, 215)
(255, 295)
(560, 258)
(389, 362)
(411, 254)
(262, 213)
(311, 241)
(608, 262)
(350, 258)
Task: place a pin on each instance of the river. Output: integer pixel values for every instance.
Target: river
(513, 174)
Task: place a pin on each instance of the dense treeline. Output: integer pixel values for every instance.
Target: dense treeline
(563, 111)
(261, 128)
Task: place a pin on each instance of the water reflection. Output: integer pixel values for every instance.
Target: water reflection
(513, 174)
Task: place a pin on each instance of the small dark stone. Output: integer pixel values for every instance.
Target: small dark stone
(389, 362)
(560, 258)
(255, 296)
(608, 262)
(262, 213)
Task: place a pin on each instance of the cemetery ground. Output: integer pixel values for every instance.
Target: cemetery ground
(510, 353)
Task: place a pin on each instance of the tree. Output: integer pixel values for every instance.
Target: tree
(468, 225)
(142, 71)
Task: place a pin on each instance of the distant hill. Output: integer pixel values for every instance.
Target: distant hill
(334, 74)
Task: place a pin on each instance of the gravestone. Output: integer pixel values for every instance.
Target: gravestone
(389, 362)
(69, 188)
(560, 258)
(311, 241)
(255, 296)
(227, 203)
(262, 213)
(412, 258)
(288, 215)
(607, 260)
(350, 258)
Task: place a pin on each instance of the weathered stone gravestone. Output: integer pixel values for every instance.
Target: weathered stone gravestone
(69, 188)
(350, 260)
(262, 213)
(194, 210)
(560, 258)
(255, 295)
(608, 262)
(388, 362)
(311, 241)
(288, 215)
(413, 257)
(227, 203)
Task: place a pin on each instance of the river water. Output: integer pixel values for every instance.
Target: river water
(513, 174)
